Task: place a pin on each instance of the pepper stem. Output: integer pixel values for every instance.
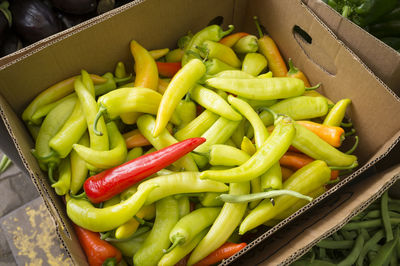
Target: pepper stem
(354, 146)
(141, 230)
(258, 26)
(353, 165)
(50, 172)
(228, 31)
(351, 132)
(275, 115)
(203, 51)
(349, 124)
(177, 241)
(99, 114)
(142, 222)
(292, 69)
(79, 196)
(313, 87)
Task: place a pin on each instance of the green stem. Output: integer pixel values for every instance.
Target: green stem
(228, 31)
(79, 196)
(139, 232)
(100, 113)
(349, 124)
(50, 173)
(176, 242)
(351, 132)
(125, 79)
(355, 164)
(260, 33)
(354, 146)
(262, 195)
(313, 87)
(142, 222)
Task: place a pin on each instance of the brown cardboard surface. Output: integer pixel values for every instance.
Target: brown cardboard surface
(380, 58)
(98, 45)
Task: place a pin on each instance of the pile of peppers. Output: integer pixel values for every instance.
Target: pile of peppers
(381, 18)
(202, 144)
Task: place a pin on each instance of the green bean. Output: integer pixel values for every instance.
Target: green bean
(313, 263)
(336, 236)
(385, 252)
(355, 252)
(334, 244)
(393, 258)
(368, 224)
(348, 235)
(365, 234)
(385, 216)
(374, 240)
(377, 213)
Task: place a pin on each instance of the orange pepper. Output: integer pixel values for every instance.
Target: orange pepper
(231, 39)
(333, 135)
(296, 73)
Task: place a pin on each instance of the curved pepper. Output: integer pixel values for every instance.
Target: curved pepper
(197, 126)
(267, 47)
(179, 252)
(48, 159)
(247, 44)
(310, 144)
(231, 39)
(298, 108)
(211, 49)
(268, 154)
(52, 94)
(42, 111)
(175, 55)
(221, 154)
(146, 75)
(181, 182)
(97, 250)
(90, 109)
(185, 111)
(233, 74)
(228, 219)
(111, 182)
(212, 33)
(105, 159)
(146, 125)
(79, 169)
(109, 85)
(305, 180)
(337, 113)
(167, 214)
(180, 84)
(192, 224)
(334, 135)
(70, 133)
(84, 214)
(254, 63)
(127, 100)
(212, 101)
(218, 133)
(214, 66)
(260, 89)
(158, 53)
(63, 183)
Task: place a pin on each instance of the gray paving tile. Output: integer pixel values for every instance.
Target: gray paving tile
(10, 199)
(6, 256)
(30, 233)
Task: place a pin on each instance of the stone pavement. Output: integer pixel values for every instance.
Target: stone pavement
(27, 232)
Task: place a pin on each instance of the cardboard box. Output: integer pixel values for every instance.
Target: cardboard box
(383, 60)
(99, 43)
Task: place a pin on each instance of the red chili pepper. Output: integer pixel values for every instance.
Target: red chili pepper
(223, 252)
(231, 39)
(168, 69)
(97, 250)
(113, 181)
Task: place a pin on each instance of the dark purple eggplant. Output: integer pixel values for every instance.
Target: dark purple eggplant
(33, 20)
(76, 7)
(10, 44)
(68, 20)
(5, 20)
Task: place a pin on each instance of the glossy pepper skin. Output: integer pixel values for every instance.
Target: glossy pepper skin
(146, 75)
(146, 125)
(197, 126)
(109, 183)
(260, 89)
(167, 215)
(181, 182)
(212, 33)
(213, 102)
(305, 180)
(105, 159)
(210, 49)
(52, 94)
(97, 251)
(180, 84)
(228, 219)
(84, 214)
(268, 154)
(337, 113)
